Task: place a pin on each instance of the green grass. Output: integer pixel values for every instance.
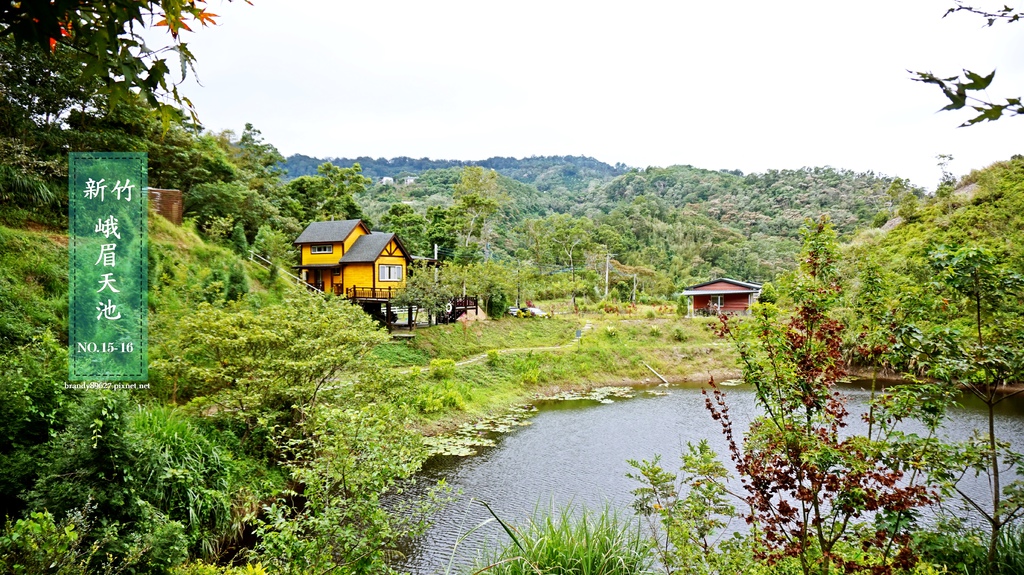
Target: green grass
(583, 543)
(33, 285)
(458, 342)
(614, 351)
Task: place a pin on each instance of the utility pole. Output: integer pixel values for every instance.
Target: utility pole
(607, 266)
(435, 263)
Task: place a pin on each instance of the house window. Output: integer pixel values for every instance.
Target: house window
(321, 249)
(390, 273)
(717, 300)
(336, 271)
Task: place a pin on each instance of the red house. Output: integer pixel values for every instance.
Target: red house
(722, 296)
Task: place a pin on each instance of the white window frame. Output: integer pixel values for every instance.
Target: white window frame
(718, 300)
(387, 273)
(318, 249)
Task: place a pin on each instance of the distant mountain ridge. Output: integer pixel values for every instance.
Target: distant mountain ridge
(544, 172)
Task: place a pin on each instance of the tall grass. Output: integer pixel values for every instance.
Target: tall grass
(965, 551)
(573, 542)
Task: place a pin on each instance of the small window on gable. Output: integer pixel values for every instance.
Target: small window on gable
(321, 249)
(390, 273)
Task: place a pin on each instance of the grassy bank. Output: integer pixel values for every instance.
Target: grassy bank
(450, 374)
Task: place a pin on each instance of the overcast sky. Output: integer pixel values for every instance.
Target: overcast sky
(748, 85)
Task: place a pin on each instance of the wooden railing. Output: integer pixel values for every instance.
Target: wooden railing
(266, 263)
(368, 292)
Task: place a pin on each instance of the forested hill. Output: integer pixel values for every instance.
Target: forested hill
(544, 172)
(773, 203)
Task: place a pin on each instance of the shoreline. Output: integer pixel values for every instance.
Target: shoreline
(451, 422)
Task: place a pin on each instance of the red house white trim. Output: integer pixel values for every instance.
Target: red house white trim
(723, 295)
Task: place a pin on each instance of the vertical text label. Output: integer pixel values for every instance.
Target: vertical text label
(107, 323)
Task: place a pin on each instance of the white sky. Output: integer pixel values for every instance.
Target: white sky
(747, 85)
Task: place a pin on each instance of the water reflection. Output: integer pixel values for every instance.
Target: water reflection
(576, 452)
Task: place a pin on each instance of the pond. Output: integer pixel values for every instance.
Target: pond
(576, 453)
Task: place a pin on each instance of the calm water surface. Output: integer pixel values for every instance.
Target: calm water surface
(576, 452)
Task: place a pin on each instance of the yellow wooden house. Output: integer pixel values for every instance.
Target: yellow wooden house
(346, 258)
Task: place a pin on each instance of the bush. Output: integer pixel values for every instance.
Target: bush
(571, 543)
(492, 357)
(442, 368)
(682, 305)
(679, 334)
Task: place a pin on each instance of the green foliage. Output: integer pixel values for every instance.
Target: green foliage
(253, 364)
(95, 465)
(237, 283)
(110, 42)
(445, 395)
(34, 407)
(583, 541)
(959, 90)
(348, 460)
(768, 293)
(809, 486)
(33, 286)
(186, 476)
(403, 220)
(328, 195)
(686, 515)
(38, 544)
(238, 241)
(442, 368)
(421, 290)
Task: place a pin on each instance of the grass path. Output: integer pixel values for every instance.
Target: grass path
(589, 326)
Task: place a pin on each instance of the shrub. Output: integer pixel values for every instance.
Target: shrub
(679, 334)
(655, 331)
(442, 368)
(570, 543)
(650, 314)
(492, 357)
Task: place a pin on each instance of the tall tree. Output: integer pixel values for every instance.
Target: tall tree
(477, 197)
(410, 226)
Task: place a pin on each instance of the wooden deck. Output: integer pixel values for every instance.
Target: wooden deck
(368, 294)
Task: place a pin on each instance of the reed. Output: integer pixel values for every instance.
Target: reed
(573, 541)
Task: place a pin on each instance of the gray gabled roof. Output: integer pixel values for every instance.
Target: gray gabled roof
(368, 248)
(327, 232)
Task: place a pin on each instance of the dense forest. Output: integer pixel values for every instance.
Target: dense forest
(279, 423)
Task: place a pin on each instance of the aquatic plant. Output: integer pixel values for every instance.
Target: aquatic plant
(571, 541)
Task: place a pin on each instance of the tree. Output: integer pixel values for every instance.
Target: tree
(442, 230)
(327, 195)
(567, 237)
(109, 37)
(961, 90)
(423, 291)
(410, 226)
(477, 198)
(809, 485)
(973, 279)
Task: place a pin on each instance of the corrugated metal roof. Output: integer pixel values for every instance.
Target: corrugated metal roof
(326, 232)
(367, 248)
(716, 292)
(747, 285)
